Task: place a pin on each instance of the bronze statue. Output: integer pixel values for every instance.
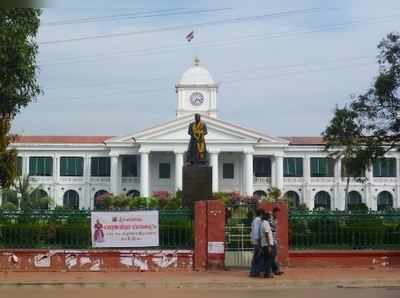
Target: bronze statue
(197, 152)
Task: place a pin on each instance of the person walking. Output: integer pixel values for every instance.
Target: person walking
(257, 262)
(267, 242)
(274, 227)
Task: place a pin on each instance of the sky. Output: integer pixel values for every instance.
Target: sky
(282, 67)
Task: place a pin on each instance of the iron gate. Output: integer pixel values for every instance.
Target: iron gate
(238, 247)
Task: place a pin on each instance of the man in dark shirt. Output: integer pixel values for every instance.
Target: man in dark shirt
(274, 227)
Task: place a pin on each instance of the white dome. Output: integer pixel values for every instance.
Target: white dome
(196, 75)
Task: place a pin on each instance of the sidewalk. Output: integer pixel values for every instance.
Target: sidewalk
(293, 278)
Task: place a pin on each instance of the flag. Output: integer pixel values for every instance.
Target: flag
(190, 36)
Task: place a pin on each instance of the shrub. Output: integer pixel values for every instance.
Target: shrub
(222, 196)
(138, 203)
(100, 201)
(302, 208)
(362, 207)
(8, 206)
(9, 196)
(118, 202)
(174, 203)
(274, 194)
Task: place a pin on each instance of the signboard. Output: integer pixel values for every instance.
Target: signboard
(216, 247)
(125, 229)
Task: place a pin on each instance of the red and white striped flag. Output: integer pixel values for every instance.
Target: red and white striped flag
(190, 36)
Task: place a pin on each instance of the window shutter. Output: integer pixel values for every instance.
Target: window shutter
(313, 167)
(299, 162)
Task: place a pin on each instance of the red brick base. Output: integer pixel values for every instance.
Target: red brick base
(96, 260)
(323, 259)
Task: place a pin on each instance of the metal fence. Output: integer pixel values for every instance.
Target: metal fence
(319, 230)
(71, 230)
(238, 247)
(344, 230)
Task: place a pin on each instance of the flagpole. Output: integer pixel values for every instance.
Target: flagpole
(194, 47)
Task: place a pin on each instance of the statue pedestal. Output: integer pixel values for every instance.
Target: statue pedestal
(197, 185)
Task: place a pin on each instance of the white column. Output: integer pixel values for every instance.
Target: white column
(178, 170)
(397, 203)
(114, 174)
(307, 192)
(144, 174)
(273, 171)
(370, 193)
(339, 201)
(56, 169)
(86, 200)
(215, 169)
(25, 166)
(278, 172)
(86, 169)
(55, 188)
(249, 178)
(28, 162)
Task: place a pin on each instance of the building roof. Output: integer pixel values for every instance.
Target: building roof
(60, 139)
(299, 141)
(305, 141)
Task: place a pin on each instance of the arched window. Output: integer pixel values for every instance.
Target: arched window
(385, 201)
(293, 199)
(37, 195)
(353, 199)
(71, 200)
(133, 193)
(322, 200)
(99, 199)
(260, 194)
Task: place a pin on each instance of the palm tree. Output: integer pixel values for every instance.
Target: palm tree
(31, 197)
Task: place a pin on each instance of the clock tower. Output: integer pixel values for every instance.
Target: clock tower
(197, 92)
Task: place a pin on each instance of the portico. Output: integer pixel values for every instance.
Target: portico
(159, 169)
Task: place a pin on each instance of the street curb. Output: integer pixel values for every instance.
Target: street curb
(165, 284)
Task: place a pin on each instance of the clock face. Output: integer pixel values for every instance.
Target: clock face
(197, 98)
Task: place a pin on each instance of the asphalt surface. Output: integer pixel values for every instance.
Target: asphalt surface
(200, 293)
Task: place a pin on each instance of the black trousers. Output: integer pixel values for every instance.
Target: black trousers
(275, 264)
(257, 262)
(268, 260)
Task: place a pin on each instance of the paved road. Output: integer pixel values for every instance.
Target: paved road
(200, 293)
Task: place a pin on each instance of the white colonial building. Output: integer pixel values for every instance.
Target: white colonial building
(74, 170)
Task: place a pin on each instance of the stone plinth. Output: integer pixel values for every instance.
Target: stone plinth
(197, 185)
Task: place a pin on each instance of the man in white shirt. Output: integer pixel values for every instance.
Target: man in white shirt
(257, 262)
(267, 242)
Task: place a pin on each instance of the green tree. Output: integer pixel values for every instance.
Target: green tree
(369, 126)
(30, 198)
(274, 194)
(18, 82)
(342, 140)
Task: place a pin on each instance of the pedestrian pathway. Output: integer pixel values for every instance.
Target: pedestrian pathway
(293, 278)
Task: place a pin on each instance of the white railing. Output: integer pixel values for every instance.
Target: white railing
(390, 180)
(262, 180)
(131, 180)
(40, 179)
(322, 180)
(290, 180)
(352, 180)
(71, 179)
(100, 179)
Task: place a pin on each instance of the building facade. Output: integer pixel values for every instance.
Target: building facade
(74, 170)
